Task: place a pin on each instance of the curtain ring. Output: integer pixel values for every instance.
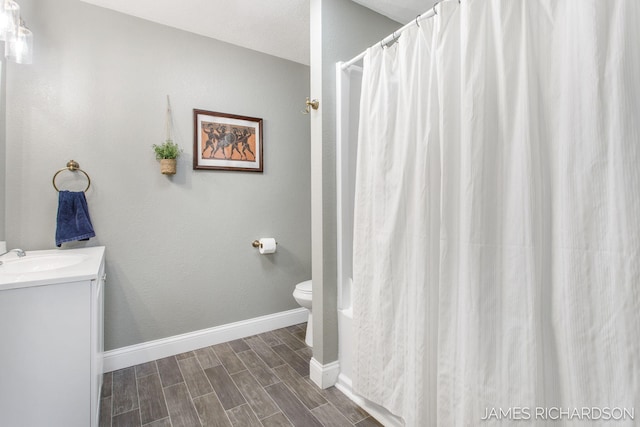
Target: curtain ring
(435, 12)
(381, 45)
(417, 23)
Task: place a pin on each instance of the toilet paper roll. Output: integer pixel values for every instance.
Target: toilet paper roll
(267, 245)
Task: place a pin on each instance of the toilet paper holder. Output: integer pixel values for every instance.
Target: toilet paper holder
(257, 244)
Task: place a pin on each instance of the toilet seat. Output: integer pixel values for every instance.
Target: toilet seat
(304, 287)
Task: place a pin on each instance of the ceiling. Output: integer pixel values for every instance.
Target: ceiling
(399, 10)
(276, 27)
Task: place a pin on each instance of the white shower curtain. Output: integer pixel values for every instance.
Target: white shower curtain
(497, 216)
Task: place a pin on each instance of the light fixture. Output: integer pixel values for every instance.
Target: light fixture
(19, 46)
(9, 18)
(18, 39)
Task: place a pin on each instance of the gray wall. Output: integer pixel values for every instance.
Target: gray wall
(3, 145)
(179, 257)
(341, 29)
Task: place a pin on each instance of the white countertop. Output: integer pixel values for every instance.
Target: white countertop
(87, 268)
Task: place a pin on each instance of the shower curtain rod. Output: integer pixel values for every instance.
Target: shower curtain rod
(395, 35)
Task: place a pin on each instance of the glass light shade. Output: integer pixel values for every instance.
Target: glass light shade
(19, 47)
(9, 18)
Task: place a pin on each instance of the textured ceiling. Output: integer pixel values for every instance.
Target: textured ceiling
(275, 27)
(399, 10)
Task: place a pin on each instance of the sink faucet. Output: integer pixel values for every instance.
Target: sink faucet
(19, 252)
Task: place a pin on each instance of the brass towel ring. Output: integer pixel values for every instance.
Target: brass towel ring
(72, 166)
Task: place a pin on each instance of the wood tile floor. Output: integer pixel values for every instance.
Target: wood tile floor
(261, 380)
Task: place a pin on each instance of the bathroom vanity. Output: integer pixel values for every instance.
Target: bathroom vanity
(51, 337)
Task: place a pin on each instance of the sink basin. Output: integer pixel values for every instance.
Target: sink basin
(49, 267)
(40, 263)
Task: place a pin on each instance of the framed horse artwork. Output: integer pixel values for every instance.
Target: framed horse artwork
(227, 142)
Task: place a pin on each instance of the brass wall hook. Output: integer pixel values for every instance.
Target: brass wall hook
(309, 105)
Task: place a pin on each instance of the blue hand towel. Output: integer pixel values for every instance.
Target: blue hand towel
(73, 218)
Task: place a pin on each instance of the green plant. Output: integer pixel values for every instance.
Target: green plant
(167, 150)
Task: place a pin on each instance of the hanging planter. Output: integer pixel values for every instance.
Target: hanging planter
(168, 151)
(168, 166)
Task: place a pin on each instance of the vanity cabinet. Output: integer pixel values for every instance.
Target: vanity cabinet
(51, 345)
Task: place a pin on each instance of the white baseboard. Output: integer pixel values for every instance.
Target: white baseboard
(324, 376)
(153, 350)
(378, 412)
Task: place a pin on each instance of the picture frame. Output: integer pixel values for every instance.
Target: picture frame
(227, 142)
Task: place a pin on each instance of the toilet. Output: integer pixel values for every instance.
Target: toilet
(302, 294)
